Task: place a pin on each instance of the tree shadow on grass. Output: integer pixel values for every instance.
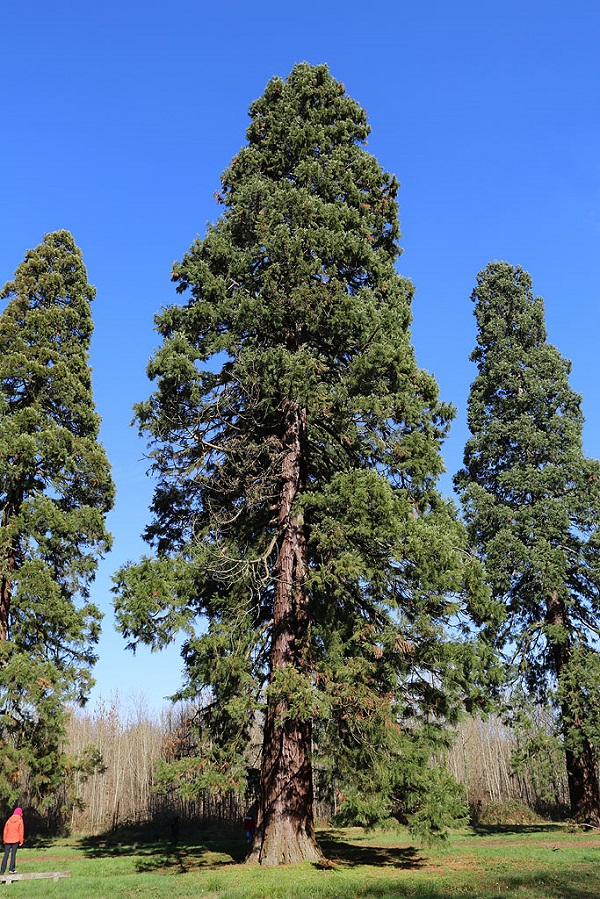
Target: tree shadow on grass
(566, 884)
(572, 890)
(338, 851)
(39, 842)
(153, 852)
(394, 889)
(558, 885)
(203, 851)
(184, 861)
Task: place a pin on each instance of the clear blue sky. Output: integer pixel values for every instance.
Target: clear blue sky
(118, 118)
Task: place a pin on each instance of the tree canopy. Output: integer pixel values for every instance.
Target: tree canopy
(296, 447)
(55, 490)
(532, 503)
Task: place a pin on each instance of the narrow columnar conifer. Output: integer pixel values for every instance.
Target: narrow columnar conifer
(532, 503)
(55, 490)
(296, 446)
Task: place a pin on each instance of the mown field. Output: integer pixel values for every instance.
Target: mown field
(527, 861)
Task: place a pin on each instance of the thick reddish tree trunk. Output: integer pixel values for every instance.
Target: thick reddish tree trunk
(584, 793)
(285, 832)
(582, 776)
(285, 828)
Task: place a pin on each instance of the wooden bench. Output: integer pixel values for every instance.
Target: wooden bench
(46, 875)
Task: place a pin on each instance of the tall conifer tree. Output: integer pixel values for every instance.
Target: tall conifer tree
(297, 446)
(55, 489)
(532, 503)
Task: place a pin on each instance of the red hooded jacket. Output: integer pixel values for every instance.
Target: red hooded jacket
(13, 830)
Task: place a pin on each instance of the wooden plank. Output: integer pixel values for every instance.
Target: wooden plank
(46, 875)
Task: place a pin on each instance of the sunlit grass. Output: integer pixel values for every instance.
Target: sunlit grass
(527, 862)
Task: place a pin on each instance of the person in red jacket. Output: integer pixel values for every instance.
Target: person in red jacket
(13, 838)
(249, 827)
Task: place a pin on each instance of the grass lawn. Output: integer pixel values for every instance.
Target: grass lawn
(524, 861)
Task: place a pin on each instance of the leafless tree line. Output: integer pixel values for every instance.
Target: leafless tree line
(498, 765)
(490, 759)
(122, 789)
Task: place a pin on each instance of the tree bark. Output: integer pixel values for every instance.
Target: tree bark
(584, 793)
(5, 595)
(285, 827)
(6, 579)
(582, 777)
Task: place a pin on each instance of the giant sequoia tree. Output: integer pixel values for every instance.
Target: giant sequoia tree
(532, 503)
(55, 488)
(296, 448)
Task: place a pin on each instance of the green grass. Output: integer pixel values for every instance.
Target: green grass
(523, 861)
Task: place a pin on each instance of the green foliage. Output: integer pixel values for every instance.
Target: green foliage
(532, 503)
(578, 695)
(55, 490)
(531, 498)
(294, 315)
(435, 804)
